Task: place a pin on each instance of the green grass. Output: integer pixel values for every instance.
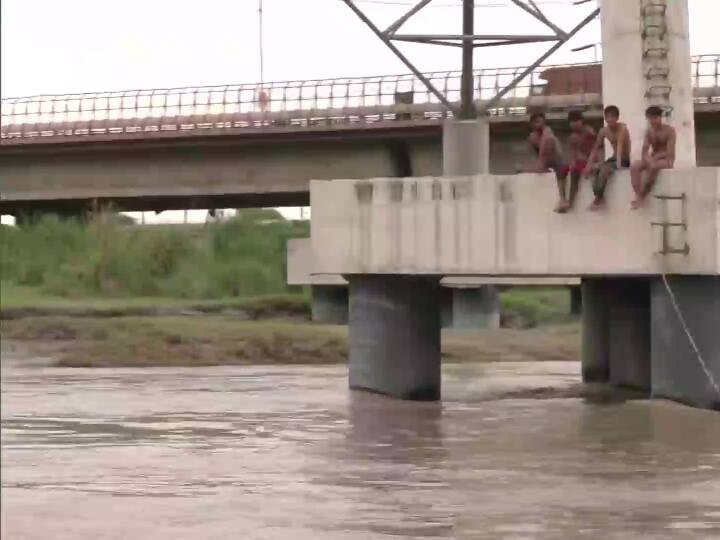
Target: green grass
(53, 259)
(521, 307)
(530, 306)
(17, 297)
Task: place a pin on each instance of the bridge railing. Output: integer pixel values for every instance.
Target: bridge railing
(293, 105)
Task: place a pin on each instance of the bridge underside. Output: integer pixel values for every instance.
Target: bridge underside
(245, 170)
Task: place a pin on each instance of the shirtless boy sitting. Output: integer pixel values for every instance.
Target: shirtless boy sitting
(547, 148)
(618, 136)
(580, 143)
(660, 138)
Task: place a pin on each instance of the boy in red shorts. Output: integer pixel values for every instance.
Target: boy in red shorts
(580, 145)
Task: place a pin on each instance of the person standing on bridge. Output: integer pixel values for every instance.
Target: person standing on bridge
(660, 138)
(580, 143)
(549, 154)
(618, 135)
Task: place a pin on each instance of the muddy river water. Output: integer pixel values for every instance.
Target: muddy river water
(289, 453)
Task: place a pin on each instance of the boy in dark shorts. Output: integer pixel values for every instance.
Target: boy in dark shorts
(549, 156)
(660, 138)
(618, 136)
(580, 143)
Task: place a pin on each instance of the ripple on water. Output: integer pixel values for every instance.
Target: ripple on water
(515, 451)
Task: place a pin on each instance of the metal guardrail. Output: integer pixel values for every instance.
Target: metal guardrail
(297, 105)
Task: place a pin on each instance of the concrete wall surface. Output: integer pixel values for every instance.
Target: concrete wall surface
(676, 369)
(300, 272)
(504, 225)
(300, 265)
(626, 65)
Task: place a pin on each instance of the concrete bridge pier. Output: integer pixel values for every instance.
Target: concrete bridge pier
(640, 335)
(394, 336)
(575, 300)
(676, 370)
(329, 304)
(616, 332)
(474, 307)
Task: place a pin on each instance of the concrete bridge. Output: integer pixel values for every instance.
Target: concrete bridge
(394, 240)
(247, 146)
(650, 277)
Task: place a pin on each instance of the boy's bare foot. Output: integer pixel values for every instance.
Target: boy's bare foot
(597, 204)
(635, 204)
(562, 206)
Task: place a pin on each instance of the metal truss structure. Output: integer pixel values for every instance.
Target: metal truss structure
(468, 41)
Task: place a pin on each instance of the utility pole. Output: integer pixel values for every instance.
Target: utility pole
(260, 39)
(467, 94)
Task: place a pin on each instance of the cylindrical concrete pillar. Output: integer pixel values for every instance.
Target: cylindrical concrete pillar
(595, 331)
(677, 372)
(646, 54)
(330, 304)
(395, 336)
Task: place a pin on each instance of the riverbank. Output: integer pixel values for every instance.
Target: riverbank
(522, 307)
(213, 340)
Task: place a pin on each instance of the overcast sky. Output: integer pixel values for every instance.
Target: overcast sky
(52, 46)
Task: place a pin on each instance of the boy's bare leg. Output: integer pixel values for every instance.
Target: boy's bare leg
(653, 171)
(636, 170)
(574, 187)
(562, 205)
(599, 186)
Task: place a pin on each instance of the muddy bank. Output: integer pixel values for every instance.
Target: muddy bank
(214, 340)
(272, 307)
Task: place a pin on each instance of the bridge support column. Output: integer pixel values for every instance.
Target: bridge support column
(330, 304)
(575, 300)
(616, 332)
(476, 307)
(595, 331)
(676, 370)
(629, 325)
(395, 336)
(466, 151)
(466, 147)
(446, 307)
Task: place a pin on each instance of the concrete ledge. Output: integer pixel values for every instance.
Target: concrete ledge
(489, 225)
(300, 263)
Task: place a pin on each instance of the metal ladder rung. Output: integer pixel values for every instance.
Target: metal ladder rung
(660, 34)
(668, 224)
(659, 6)
(670, 197)
(656, 73)
(660, 88)
(666, 248)
(656, 52)
(658, 92)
